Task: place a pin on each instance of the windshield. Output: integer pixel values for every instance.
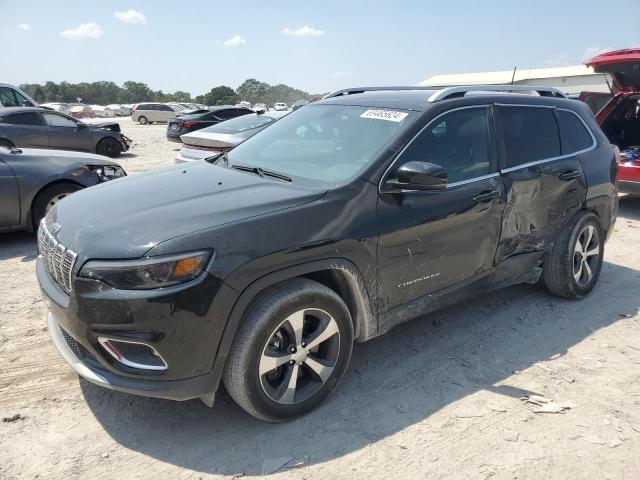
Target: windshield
(240, 124)
(329, 143)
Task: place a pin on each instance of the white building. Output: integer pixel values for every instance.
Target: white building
(569, 80)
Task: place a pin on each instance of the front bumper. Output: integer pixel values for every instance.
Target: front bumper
(181, 324)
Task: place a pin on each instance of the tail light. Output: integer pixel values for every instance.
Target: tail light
(187, 124)
(616, 152)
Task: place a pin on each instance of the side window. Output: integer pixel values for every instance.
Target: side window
(22, 100)
(26, 118)
(458, 141)
(225, 114)
(530, 134)
(575, 136)
(8, 98)
(54, 120)
(164, 108)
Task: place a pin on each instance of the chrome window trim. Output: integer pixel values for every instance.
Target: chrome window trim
(461, 182)
(593, 146)
(104, 341)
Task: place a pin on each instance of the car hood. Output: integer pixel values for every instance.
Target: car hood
(63, 157)
(127, 217)
(622, 65)
(113, 126)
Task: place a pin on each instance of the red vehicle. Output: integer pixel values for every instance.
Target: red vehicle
(620, 117)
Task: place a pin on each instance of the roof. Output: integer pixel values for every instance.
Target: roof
(507, 76)
(400, 99)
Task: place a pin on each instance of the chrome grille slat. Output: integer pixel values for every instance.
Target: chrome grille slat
(58, 260)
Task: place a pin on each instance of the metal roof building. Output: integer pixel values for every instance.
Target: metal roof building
(569, 80)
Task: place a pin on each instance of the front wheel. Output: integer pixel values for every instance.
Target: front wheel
(573, 265)
(290, 352)
(142, 120)
(49, 197)
(109, 147)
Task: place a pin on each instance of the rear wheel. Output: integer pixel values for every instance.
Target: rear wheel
(142, 120)
(573, 265)
(109, 147)
(49, 197)
(290, 352)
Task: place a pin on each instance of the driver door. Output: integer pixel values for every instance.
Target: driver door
(434, 239)
(65, 133)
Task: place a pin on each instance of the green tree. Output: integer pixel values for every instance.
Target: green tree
(221, 95)
(252, 90)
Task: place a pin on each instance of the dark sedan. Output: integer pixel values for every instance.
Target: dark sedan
(202, 118)
(32, 181)
(44, 128)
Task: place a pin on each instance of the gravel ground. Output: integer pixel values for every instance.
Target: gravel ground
(438, 397)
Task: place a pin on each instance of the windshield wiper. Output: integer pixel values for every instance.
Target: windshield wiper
(262, 172)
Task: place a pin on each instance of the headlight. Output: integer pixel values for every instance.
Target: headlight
(108, 172)
(151, 272)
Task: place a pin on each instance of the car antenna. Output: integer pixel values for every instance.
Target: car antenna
(513, 77)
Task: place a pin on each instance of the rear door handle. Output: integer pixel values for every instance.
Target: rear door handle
(486, 195)
(570, 175)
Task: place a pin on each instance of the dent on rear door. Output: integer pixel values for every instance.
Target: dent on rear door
(538, 203)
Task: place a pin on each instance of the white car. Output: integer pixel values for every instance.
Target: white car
(260, 107)
(244, 104)
(216, 139)
(281, 107)
(102, 112)
(58, 107)
(11, 96)
(119, 110)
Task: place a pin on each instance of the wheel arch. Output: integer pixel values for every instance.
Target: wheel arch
(338, 274)
(31, 227)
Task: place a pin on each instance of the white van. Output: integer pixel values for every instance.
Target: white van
(11, 96)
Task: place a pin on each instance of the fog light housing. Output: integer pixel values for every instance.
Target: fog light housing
(133, 354)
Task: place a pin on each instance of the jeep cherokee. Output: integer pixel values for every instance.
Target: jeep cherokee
(332, 225)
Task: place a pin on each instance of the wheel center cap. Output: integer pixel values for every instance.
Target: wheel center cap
(300, 356)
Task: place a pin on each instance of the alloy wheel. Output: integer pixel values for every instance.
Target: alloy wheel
(586, 255)
(299, 356)
(53, 201)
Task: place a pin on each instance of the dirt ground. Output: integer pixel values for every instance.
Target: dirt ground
(439, 397)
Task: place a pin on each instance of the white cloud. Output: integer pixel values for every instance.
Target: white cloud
(132, 17)
(84, 30)
(234, 41)
(305, 31)
(594, 51)
(24, 26)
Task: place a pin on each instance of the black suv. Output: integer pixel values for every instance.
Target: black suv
(332, 225)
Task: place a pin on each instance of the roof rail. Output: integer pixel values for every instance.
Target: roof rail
(351, 91)
(443, 93)
(449, 92)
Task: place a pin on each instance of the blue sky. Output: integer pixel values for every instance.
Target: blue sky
(194, 45)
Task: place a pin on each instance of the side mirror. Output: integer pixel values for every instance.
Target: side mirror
(418, 176)
(81, 126)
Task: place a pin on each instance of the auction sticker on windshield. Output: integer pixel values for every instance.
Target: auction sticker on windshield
(389, 115)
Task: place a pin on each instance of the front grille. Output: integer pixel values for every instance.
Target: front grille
(58, 260)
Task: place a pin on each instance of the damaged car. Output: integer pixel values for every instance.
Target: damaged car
(44, 128)
(620, 116)
(331, 226)
(32, 181)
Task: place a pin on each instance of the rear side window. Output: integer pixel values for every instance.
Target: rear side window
(224, 114)
(575, 136)
(530, 134)
(26, 118)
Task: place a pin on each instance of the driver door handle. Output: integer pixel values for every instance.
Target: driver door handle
(486, 195)
(569, 175)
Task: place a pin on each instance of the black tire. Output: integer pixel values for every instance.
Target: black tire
(109, 147)
(49, 194)
(258, 329)
(6, 143)
(563, 271)
(142, 120)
